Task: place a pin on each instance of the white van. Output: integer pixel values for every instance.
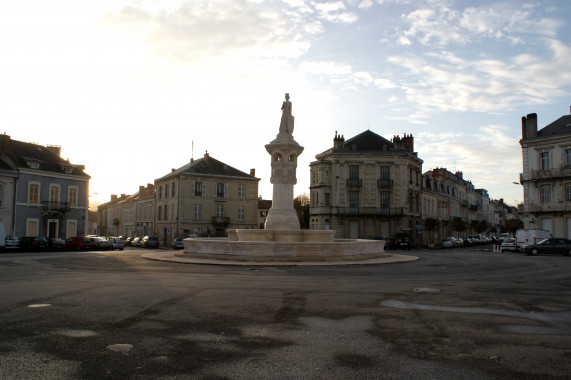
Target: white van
(527, 237)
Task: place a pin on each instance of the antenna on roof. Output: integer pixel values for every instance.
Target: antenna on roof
(192, 158)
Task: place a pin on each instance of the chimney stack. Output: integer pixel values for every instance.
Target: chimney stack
(523, 128)
(55, 149)
(531, 125)
(4, 143)
(253, 172)
(206, 157)
(113, 197)
(141, 189)
(338, 141)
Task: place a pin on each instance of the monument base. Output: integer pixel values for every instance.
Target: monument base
(282, 246)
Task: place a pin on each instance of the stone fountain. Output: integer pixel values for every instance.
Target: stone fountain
(282, 240)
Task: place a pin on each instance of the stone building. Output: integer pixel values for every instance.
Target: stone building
(367, 186)
(41, 194)
(205, 197)
(546, 176)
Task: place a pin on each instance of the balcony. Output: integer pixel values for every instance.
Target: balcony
(385, 183)
(54, 209)
(220, 221)
(368, 211)
(354, 182)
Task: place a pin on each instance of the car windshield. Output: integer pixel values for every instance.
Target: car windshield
(544, 241)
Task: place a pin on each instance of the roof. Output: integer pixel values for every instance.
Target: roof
(19, 153)
(208, 166)
(367, 141)
(558, 127)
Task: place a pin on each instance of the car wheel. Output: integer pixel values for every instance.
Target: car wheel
(534, 251)
(78, 248)
(568, 253)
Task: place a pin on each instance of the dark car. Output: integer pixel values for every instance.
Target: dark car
(31, 243)
(56, 244)
(78, 243)
(136, 242)
(100, 243)
(128, 241)
(150, 242)
(554, 245)
(401, 241)
(177, 243)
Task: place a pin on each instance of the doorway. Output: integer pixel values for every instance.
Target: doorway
(53, 228)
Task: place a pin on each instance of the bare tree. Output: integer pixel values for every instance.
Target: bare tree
(301, 205)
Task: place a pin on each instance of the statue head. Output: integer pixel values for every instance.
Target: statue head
(287, 95)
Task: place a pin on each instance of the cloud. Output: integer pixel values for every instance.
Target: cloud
(334, 12)
(446, 82)
(499, 21)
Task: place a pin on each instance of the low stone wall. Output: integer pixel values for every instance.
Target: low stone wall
(283, 251)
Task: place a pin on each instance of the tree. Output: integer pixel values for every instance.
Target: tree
(430, 224)
(301, 205)
(458, 226)
(512, 225)
(480, 227)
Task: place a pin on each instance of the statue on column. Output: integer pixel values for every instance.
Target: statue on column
(286, 124)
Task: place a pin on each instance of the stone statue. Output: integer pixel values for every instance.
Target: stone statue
(286, 124)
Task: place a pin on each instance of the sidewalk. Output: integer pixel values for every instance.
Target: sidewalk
(170, 257)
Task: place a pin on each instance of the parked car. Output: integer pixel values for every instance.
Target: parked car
(458, 242)
(78, 243)
(532, 236)
(552, 245)
(448, 242)
(128, 241)
(177, 243)
(467, 242)
(508, 245)
(100, 243)
(136, 242)
(56, 244)
(12, 243)
(150, 242)
(33, 243)
(401, 240)
(117, 243)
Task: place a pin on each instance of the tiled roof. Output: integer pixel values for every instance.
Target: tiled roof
(19, 153)
(368, 141)
(208, 166)
(558, 127)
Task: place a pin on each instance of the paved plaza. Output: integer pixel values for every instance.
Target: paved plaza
(463, 313)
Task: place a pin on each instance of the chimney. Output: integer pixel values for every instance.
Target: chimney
(173, 170)
(141, 189)
(338, 141)
(113, 197)
(55, 149)
(408, 142)
(523, 128)
(4, 143)
(253, 172)
(206, 157)
(531, 125)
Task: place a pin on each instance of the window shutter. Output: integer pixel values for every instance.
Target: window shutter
(192, 188)
(225, 190)
(203, 189)
(214, 190)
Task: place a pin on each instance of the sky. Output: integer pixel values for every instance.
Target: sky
(132, 89)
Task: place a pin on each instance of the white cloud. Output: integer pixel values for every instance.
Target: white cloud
(334, 12)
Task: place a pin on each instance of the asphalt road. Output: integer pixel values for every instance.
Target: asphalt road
(454, 314)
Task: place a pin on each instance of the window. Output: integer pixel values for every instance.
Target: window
(166, 211)
(241, 192)
(568, 192)
(385, 172)
(160, 209)
(353, 202)
(384, 198)
(220, 190)
(160, 193)
(327, 198)
(72, 196)
(545, 193)
(71, 229)
(34, 193)
(172, 190)
(32, 227)
(219, 211)
(353, 171)
(54, 194)
(198, 189)
(544, 160)
(197, 212)
(166, 191)
(241, 213)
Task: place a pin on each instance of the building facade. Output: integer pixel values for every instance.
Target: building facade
(546, 176)
(204, 198)
(367, 187)
(50, 195)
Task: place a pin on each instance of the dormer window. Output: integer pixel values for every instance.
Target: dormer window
(33, 164)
